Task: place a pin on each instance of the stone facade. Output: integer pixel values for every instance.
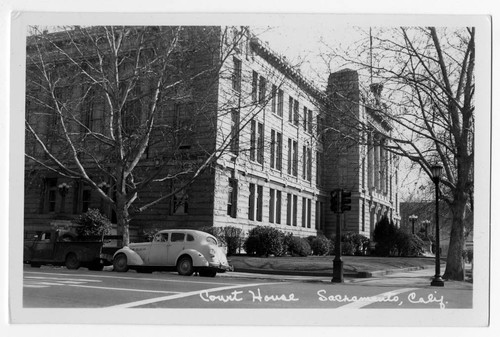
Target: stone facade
(280, 158)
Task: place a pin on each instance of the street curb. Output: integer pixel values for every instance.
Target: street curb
(359, 274)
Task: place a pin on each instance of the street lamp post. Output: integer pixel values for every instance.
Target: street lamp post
(413, 218)
(437, 281)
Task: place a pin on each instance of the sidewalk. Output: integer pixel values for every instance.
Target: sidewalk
(417, 272)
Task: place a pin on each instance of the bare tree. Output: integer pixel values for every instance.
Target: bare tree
(428, 80)
(99, 107)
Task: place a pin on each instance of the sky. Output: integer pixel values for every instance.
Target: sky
(312, 40)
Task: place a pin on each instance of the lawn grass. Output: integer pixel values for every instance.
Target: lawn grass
(325, 264)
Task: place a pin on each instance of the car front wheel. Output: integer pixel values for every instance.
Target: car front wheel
(120, 263)
(185, 266)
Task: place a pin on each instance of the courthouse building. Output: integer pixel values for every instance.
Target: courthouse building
(282, 152)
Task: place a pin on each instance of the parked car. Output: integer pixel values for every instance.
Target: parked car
(184, 250)
(61, 247)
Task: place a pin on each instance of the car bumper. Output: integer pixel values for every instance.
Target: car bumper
(220, 268)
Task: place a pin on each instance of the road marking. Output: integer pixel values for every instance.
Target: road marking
(128, 278)
(34, 286)
(62, 279)
(187, 294)
(375, 299)
(125, 289)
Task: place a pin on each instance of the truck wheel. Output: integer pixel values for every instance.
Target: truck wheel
(72, 261)
(120, 263)
(185, 266)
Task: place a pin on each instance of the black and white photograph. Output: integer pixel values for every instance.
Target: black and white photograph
(250, 169)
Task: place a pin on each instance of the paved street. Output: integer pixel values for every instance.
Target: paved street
(51, 287)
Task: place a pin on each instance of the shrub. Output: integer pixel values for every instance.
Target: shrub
(320, 245)
(297, 246)
(218, 232)
(356, 244)
(408, 244)
(232, 235)
(264, 240)
(384, 235)
(92, 223)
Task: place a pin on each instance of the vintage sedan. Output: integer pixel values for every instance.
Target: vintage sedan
(184, 250)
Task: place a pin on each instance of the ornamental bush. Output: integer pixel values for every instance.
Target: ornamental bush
(384, 235)
(263, 240)
(297, 246)
(320, 245)
(408, 244)
(92, 223)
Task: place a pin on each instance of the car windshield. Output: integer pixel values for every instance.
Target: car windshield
(211, 240)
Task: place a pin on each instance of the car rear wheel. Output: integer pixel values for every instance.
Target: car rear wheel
(72, 261)
(185, 266)
(120, 263)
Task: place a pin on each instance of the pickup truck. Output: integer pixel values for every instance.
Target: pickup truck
(64, 248)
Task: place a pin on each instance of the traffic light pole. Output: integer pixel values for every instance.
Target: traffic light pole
(338, 264)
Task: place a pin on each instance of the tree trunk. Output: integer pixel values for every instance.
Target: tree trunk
(122, 217)
(454, 261)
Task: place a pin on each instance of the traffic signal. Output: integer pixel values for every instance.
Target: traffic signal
(334, 201)
(345, 201)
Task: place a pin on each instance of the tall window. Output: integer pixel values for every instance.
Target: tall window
(255, 80)
(304, 162)
(236, 74)
(48, 200)
(304, 212)
(235, 126)
(290, 109)
(274, 206)
(309, 164)
(232, 195)
(259, 202)
(278, 207)
(309, 202)
(296, 113)
(255, 203)
(251, 202)
(280, 103)
(276, 149)
(289, 209)
(295, 155)
(262, 90)
(294, 216)
(252, 139)
(305, 119)
(272, 201)
(81, 198)
(260, 143)
(289, 168)
(309, 121)
(273, 98)
(279, 151)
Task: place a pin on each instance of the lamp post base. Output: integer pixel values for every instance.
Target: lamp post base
(338, 271)
(437, 281)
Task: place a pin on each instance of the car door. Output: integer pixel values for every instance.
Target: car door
(43, 247)
(176, 245)
(158, 251)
